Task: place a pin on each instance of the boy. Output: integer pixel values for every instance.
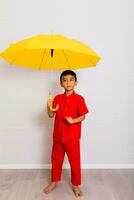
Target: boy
(67, 131)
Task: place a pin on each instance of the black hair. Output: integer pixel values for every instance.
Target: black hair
(68, 72)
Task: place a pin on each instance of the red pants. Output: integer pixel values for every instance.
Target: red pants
(72, 149)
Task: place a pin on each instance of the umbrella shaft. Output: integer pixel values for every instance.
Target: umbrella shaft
(52, 52)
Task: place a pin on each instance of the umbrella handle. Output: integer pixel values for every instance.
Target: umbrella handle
(54, 109)
(51, 108)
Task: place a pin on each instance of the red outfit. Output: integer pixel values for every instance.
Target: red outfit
(72, 150)
(69, 106)
(66, 137)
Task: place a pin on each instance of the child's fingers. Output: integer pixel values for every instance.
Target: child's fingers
(69, 120)
(49, 102)
(66, 118)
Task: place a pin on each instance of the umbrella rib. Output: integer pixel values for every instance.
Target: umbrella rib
(42, 58)
(90, 61)
(13, 60)
(66, 58)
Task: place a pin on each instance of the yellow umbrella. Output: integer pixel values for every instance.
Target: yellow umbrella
(47, 52)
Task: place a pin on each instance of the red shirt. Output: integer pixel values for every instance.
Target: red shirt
(69, 106)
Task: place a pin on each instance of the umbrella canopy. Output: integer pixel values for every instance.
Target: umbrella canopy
(47, 52)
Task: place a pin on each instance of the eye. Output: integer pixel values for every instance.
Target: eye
(72, 79)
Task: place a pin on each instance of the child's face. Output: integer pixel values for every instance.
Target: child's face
(68, 82)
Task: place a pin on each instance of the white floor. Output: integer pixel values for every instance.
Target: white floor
(97, 184)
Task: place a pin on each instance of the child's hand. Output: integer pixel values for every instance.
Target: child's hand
(49, 102)
(69, 120)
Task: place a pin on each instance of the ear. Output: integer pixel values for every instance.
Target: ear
(61, 85)
(76, 82)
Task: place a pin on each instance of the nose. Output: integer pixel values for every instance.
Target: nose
(68, 82)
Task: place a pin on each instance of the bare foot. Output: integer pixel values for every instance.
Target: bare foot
(49, 188)
(77, 191)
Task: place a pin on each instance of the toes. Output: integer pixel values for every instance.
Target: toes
(77, 192)
(81, 194)
(46, 190)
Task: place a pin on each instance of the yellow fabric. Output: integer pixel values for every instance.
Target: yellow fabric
(35, 52)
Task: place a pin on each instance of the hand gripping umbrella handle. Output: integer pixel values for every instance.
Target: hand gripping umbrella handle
(51, 108)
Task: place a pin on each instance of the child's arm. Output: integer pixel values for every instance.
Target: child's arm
(50, 113)
(70, 120)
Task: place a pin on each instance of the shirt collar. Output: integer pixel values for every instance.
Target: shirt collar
(68, 96)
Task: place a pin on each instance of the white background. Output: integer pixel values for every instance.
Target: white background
(108, 131)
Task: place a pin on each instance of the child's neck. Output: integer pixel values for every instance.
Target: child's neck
(69, 92)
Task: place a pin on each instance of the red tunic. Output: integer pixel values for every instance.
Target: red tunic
(69, 106)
